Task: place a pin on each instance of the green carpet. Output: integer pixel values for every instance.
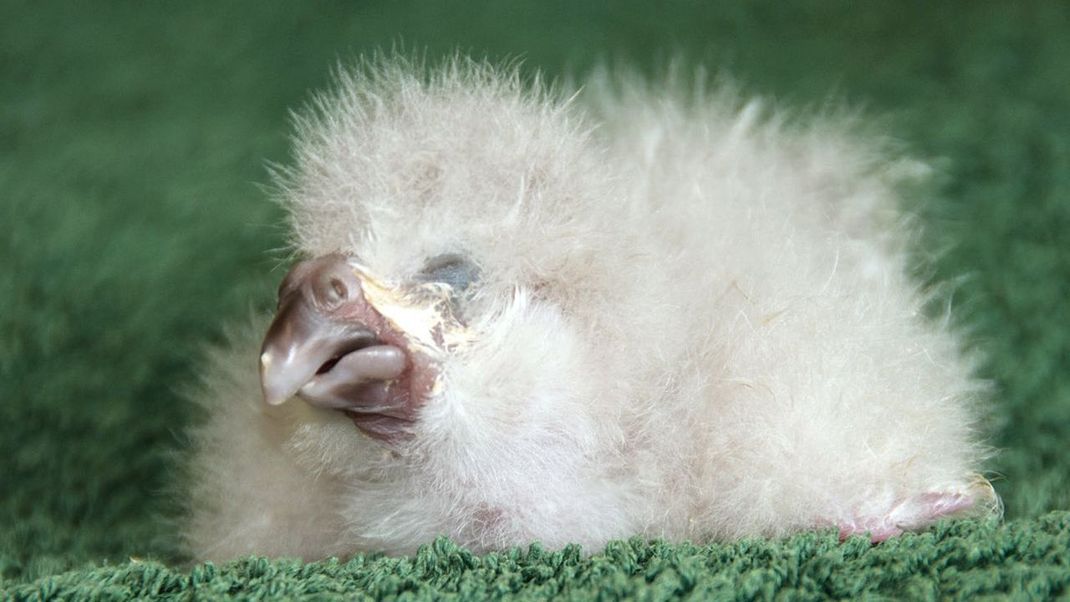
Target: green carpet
(133, 228)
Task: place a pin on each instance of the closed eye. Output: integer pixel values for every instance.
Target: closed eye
(452, 269)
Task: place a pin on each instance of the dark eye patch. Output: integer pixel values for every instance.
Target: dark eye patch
(453, 269)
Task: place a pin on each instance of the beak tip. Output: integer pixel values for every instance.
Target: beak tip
(276, 400)
(273, 394)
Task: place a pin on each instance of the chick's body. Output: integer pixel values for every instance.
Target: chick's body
(684, 321)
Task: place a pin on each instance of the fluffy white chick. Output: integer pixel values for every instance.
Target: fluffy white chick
(529, 318)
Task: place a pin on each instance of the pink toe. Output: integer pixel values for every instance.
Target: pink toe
(909, 514)
(939, 505)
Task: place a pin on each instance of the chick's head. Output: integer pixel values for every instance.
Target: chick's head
(483, 263)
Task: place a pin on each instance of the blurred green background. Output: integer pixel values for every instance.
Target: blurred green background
(134, 139)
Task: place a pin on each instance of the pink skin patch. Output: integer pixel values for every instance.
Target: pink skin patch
(329, 346)
(907, 515)
(384, 409)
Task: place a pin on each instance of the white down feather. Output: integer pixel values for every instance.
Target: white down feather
(692, 322)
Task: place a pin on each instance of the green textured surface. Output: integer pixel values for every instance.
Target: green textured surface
(133, 140)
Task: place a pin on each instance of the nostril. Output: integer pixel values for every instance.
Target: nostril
(330, 290)
(339, 288)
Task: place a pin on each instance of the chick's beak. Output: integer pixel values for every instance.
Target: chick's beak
(315, 346)
(301, 343)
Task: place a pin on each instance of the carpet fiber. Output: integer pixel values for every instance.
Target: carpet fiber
(133, 228)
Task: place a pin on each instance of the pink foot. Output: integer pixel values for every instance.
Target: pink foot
(909, 514)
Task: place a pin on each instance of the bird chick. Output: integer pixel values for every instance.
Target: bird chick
(525, 317)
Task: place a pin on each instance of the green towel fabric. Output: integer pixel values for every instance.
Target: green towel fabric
(134, 140)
